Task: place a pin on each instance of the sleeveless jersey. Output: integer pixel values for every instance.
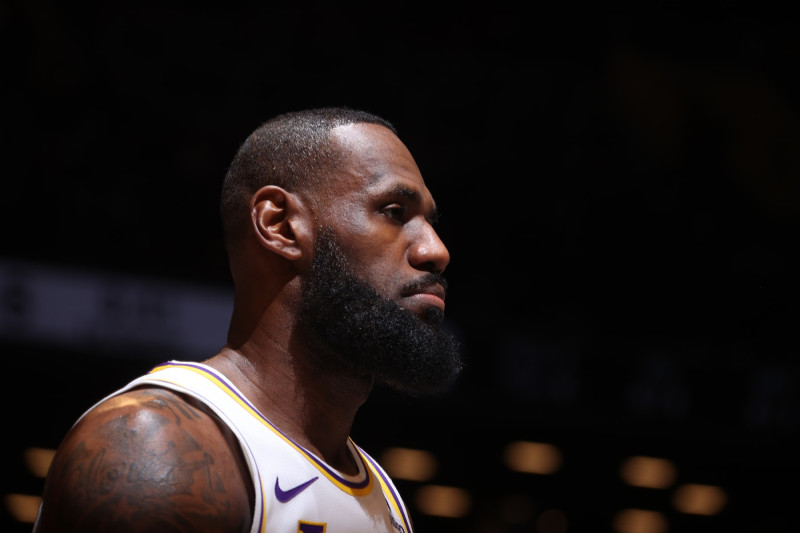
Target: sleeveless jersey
(295, 491)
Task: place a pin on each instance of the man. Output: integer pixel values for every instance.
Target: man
(338, 284)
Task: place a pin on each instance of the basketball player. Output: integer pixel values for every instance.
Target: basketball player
(338, 285)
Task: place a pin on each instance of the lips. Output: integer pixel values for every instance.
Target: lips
(433, 294)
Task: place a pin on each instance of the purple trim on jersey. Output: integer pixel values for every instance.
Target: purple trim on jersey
(223, 380)
(260, 486)
(391, 489)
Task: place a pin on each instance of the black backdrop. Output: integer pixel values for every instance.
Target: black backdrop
(619, 192)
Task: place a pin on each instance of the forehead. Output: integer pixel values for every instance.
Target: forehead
(375, 158)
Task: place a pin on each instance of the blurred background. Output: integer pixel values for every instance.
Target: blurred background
(620, 197)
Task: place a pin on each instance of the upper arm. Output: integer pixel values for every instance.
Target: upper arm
(146, 460)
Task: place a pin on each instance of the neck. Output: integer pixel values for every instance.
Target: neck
(314, 408)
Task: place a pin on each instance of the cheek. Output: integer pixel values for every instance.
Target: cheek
(375, 254)
(346, 216)
(386, 278)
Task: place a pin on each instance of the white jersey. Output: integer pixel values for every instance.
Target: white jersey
(295, 491)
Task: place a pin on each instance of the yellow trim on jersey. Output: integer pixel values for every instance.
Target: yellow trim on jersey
(263, 527)
(388, 493)
(261, 418)
(260, 482)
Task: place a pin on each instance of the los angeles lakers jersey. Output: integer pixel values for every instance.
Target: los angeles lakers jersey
(295, 491)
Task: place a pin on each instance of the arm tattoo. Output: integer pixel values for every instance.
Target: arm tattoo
(169, 403)
(146, 468)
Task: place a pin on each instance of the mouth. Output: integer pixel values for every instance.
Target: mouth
(428, 295)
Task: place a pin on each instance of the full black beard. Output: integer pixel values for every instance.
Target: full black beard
(352, 329)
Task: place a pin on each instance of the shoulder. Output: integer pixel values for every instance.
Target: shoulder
(147, 460)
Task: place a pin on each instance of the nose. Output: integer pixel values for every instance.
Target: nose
(427, 251)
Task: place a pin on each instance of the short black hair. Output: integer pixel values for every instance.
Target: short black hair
(291, 150)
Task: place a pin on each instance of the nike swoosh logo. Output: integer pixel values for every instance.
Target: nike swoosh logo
(286, 495)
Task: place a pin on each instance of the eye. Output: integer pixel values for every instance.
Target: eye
(395, 211)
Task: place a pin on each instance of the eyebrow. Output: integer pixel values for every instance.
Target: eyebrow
(413, 195)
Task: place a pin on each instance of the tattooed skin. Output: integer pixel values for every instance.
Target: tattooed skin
(146, 463)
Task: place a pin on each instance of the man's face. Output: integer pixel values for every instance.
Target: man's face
(382, 215)
(375, 293)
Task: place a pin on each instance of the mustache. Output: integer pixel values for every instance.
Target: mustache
(431, 278)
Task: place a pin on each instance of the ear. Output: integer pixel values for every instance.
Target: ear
(280, 221)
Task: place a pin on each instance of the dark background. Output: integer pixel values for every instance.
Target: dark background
(619, 191)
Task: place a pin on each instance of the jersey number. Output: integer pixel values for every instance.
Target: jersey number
(310, 527)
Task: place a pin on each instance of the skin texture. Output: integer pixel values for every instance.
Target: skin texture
(152, 460)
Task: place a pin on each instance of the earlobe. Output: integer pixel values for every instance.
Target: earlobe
(276, 214)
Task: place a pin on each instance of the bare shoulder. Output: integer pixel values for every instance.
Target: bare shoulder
(147, 460)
